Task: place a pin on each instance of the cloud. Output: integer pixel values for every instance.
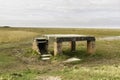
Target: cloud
(59, 12)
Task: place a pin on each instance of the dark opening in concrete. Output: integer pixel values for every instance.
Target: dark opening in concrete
(42, 45)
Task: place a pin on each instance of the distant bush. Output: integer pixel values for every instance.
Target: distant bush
(6, 26)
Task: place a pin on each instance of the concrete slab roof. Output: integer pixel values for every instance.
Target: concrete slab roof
(63, 35)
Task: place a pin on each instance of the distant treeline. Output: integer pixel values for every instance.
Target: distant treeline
(5, 26)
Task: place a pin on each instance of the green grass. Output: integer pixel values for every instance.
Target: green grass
(18, 61)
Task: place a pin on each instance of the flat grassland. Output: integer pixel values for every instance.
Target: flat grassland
(19, 62)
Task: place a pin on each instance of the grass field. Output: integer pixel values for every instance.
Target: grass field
(19, 62)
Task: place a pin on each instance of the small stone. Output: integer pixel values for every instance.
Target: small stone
(72, 60)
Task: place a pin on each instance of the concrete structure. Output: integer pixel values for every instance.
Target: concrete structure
(57, 40)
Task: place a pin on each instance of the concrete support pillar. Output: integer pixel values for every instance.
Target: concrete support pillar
(73, 46)
(90, 47)
(35, 47)
(57, 48)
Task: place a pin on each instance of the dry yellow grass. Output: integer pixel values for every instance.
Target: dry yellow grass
(11, 36)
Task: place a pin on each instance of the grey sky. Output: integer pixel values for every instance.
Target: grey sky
(73, 13)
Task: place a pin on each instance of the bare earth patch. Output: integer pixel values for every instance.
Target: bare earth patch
(48, 78)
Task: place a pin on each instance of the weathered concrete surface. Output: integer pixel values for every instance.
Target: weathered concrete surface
(63, 35)
(57, 40)
(35, 47)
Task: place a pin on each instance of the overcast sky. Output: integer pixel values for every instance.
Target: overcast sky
(60, 13)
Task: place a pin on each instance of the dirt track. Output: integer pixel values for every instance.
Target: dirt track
(110, 38)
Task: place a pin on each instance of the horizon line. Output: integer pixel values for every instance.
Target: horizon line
(97, 27)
